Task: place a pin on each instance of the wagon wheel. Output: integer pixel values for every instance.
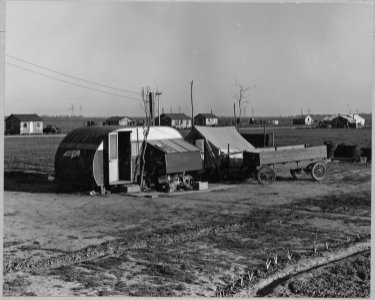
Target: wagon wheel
(266, 175)
(318, 171)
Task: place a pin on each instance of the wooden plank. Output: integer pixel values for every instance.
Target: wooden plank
(283, 156)
(290, 147)
(282, 148)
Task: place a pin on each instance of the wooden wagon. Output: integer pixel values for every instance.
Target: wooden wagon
(261, 163)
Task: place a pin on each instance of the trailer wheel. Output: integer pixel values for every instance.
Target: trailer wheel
(266, 175)
(318, 171)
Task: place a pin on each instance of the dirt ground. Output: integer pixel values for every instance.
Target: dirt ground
(349, 278)
(195, 244)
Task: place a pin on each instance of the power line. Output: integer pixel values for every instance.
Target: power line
(71, 76)
(72, 83)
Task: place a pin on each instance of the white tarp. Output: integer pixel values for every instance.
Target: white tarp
(221, 137)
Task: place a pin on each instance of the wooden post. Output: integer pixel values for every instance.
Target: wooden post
(192, 106)
(235, 117)
(228, 160)
(264, 134)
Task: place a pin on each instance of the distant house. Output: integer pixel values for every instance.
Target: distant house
(326, 121)
(204, 119)
(23, 124)
(348, 121)
(119, 121)
(359, 121)
(177, 120)
(305, 120)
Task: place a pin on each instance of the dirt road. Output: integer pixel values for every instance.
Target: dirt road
(185, 245)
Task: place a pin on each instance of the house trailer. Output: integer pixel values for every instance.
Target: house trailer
(24, 124)
(106, 156)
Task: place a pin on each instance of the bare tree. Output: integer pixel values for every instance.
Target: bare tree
(146, 129)
(240, 94)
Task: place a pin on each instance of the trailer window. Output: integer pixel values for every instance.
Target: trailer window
(112, 146)
(24, 125)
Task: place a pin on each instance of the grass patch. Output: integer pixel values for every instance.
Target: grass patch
(338, 202)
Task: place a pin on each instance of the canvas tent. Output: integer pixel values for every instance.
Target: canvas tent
(104, 156)
(216, 142)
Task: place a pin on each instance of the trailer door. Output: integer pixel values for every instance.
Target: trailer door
(113, 157)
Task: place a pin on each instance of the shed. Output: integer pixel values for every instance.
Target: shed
(104, 156)
(177, 120)
(304, 120)
(206, 119)
(119, 121)
(343, 121)
(23, 124)
(359, 121)
(215, 142)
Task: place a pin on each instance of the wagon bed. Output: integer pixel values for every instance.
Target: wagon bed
(309, 159)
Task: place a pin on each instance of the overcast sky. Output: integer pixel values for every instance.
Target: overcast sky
(314, 57)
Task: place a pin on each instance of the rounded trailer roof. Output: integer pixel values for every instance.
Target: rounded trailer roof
(155, 133)
(91, 138)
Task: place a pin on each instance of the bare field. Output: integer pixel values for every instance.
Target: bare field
(38, 152)
(30, 152)
(198, 244)
(317, 136)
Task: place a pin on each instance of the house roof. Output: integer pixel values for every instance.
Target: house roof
(206, 115)
(328, 118)
(176, 116)
(25, 117)
(302, 118)
(346, 117)
(116, 118)
(358, 117)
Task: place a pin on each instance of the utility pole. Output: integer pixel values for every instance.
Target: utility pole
(159, 94)
(151, 105)
(192, 105)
